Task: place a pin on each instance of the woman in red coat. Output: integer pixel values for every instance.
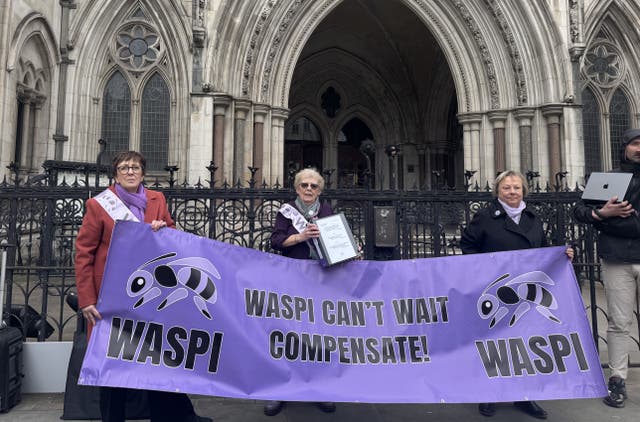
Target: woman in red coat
(126, 199)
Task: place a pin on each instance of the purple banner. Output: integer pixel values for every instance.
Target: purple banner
(186, 313)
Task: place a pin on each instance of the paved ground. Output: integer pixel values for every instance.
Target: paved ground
(48, 408)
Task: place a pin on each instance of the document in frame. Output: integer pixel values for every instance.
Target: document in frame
(336, 240)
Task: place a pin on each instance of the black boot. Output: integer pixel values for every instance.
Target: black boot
(273, 407)
(531, 408)
(327, 406)
(487, 409)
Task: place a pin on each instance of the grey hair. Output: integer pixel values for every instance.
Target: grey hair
(309, 172)
(510, 173)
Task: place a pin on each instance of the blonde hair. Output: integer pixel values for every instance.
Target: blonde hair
(510, 173)
(309, 172)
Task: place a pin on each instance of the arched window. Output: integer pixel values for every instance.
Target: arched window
(591, 132)
(154, 136)
(618, 123)
(116, 112)
(302, 146)
(352, 164)
(137, 103)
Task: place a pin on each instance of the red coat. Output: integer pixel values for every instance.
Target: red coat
(92, 243)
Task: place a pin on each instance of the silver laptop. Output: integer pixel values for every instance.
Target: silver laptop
(604, 186)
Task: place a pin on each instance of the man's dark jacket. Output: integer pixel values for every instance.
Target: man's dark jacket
(618, 238)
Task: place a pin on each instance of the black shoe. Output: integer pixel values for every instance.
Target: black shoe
(617, 393)
(327, 406)
(487, 409)
(273, 407)
(531, 408)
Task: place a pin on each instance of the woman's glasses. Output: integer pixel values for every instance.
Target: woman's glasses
(313, 186)
(126, 169)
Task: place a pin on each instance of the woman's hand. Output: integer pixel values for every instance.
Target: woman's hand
(91, 314)
(158, 224)
(310, 232)
(570, 252)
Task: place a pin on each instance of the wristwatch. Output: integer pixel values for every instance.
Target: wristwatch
(597, 212)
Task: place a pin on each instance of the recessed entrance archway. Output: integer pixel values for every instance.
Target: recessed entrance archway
(377, 58)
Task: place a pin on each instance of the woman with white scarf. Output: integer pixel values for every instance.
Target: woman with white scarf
(506, 224)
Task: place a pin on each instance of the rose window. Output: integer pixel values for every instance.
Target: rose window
(602, 64)
(138, 47)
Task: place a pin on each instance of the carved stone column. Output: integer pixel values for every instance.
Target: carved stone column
(65, 46)
(259, 114)
(607, 161)
(497, 119)
(242, 107)
(199, 33)
(220, 106)
(552, 113)
(278, 117)
(525, 116)
(26, 97)
(471, 142)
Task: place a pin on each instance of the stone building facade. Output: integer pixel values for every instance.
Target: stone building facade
(412, 93)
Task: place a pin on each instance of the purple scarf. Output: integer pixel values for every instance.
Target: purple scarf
(136, 202)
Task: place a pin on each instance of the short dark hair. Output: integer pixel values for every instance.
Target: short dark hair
(123, 156)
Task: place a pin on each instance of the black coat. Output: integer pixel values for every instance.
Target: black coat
(618, 238)
(492, 230)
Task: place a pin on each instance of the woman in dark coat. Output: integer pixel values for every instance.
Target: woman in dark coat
(292, 234)
(506, 224)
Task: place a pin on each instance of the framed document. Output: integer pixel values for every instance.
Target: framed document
(336, 243)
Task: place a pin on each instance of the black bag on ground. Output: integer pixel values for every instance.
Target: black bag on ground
(11, 371)
(83, 402)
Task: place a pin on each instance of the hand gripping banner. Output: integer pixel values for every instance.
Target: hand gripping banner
(190, 314)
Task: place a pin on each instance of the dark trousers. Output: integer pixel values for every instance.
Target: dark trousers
(163, 406)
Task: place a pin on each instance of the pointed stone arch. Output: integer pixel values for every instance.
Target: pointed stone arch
(485, 44)
(609, 68)
(31, 73)
(500, 59)
(33, 25)
(99, 27)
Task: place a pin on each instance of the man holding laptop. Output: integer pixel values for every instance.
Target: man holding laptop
(618, 224)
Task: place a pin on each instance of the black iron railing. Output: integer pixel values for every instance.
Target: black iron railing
(41, 217)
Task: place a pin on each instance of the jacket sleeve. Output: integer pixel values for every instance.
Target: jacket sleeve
(280, 232)
(164, 212)
(582, 213)
(87, 243)
(620, 227)
(472, 237)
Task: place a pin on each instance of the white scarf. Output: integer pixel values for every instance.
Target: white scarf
(514, 213)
